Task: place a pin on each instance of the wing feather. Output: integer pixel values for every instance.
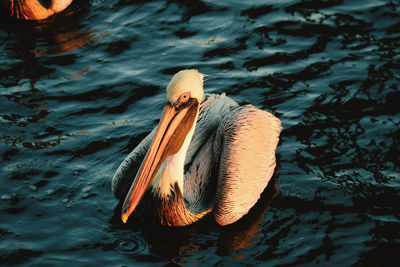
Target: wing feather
(199, 182)
(126, 172)
(246, 141)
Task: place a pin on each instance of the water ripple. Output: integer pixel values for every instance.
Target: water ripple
(136, 246)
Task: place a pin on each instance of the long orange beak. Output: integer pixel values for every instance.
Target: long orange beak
(159, 150)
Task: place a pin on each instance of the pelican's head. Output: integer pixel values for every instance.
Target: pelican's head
(185, 81)
(184, 95)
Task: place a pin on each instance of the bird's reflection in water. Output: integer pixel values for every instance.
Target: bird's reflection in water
(54, 35)
(40, 47)
(178, 243)
(242, 234)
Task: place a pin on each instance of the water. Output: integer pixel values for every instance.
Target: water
(80, 90)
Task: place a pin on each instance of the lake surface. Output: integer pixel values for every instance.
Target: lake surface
(80, 90)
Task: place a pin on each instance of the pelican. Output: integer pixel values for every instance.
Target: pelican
(207, 155)
(34, 9)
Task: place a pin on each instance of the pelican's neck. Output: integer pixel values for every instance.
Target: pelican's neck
(167, 186)
(171, 172)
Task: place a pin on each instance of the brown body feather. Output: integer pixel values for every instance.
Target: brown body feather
(172, 211)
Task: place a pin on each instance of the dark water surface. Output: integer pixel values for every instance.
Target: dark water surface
(80, 90)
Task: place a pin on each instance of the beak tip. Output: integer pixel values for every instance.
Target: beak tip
(124, 217)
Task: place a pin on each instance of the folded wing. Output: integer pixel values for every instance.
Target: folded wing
(246, 141)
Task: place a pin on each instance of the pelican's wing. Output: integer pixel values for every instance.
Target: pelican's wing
(245, 148)
(126, 172)
(213, 109)
(199, 160)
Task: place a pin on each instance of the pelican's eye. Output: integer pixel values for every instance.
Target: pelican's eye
(184, 97)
